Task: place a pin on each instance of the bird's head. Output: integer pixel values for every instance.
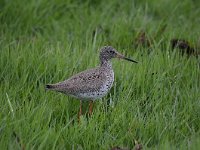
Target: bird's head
(108, 52)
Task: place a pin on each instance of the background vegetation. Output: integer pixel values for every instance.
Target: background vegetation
(155, 102)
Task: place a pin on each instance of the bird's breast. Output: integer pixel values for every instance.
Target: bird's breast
(102, 90)
(106, 86)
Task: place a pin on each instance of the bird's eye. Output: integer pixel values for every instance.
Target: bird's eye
(112, 52)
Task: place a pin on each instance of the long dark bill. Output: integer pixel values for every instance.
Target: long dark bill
(123, 57)
(130, 60)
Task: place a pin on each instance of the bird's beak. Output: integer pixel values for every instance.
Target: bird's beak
(118, 55)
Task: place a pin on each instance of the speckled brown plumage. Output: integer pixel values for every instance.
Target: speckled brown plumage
(87, 85)
(94, 83)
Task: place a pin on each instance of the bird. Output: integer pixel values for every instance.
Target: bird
(91, 84)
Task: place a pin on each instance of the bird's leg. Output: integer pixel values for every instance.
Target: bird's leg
(90, 107)
(80, 111)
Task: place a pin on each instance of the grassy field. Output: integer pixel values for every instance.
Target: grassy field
(155, 102)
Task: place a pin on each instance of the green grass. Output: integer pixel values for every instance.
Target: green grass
(156, 102)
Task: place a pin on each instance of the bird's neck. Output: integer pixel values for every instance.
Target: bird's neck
(106, 64)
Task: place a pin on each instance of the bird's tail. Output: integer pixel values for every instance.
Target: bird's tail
(50, 87)
(55, 87)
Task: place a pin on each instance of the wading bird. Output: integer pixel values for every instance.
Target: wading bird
(91, 84)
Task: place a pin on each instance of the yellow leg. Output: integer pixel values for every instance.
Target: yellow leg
(90, 107)
(80, 111)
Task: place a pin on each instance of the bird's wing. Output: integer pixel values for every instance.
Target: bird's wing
(86, 81)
